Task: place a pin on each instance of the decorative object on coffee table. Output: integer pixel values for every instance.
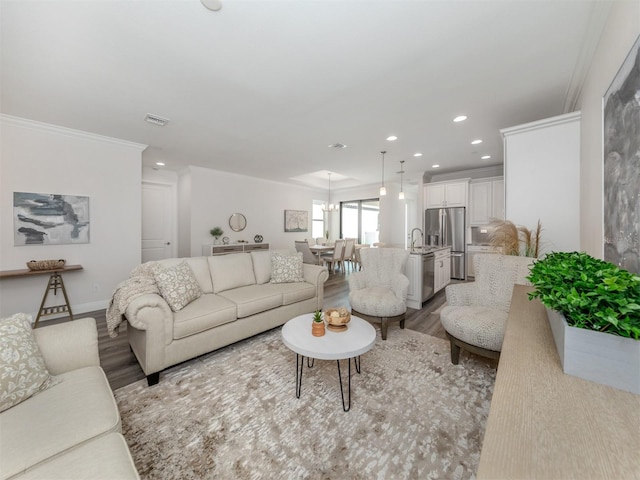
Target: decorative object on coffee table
(337, 319)
(317, 326)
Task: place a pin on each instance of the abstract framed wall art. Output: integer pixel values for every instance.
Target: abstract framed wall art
(296, 221)
(50, 219)
(621, 169)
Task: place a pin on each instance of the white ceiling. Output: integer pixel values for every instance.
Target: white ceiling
(263, 87)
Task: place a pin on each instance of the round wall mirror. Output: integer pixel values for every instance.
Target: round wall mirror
(237, 222)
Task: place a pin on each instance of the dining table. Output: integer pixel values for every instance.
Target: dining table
(320, 249)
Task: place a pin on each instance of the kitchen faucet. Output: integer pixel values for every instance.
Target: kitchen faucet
(413, 241)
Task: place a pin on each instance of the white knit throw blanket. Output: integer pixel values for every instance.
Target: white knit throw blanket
(140, 282)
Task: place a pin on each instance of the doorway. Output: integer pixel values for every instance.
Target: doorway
(158, 221)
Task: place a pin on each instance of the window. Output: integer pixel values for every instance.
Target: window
(317, 219)
(359, 219)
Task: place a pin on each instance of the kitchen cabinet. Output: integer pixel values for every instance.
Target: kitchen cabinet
(473, 250)
(413, 271)
(442, 269)
(486, 200)
(446, 194)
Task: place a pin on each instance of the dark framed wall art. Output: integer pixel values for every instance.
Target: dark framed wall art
(50, 219)
(621, 169)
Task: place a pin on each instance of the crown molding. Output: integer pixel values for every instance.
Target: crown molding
(69, 132)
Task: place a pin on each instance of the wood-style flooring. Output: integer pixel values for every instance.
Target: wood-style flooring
(122, 368)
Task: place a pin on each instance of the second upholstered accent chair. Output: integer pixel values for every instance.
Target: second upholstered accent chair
(379, 291)
(476, 313)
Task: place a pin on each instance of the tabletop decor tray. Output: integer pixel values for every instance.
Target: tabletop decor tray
(45, 264)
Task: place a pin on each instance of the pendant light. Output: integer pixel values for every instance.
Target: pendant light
(329, 207)
(383, 190)
(401, 194)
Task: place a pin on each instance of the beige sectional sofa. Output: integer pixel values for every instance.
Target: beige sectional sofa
(71, 429)
(239, 300)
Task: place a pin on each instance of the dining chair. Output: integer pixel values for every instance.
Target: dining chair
(307, 254)
(320, 241)
(349, 248)
(335, 258)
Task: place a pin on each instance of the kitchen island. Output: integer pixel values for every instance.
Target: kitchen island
(429, 271)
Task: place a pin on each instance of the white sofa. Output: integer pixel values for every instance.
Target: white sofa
(72, 429)
(238, 301)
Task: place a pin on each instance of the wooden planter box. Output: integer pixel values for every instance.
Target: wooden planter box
(600, 357)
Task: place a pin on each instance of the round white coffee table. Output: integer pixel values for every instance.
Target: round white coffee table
(359, 338)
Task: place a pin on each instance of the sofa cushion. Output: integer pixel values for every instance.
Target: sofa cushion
(231, 271)
(206, 312)
(293, 292)
(177, 285)
(76, 410)
(286, 268)
(106, 457)
(261, 266)
(22, 369)
(253, 299)
(199, 267)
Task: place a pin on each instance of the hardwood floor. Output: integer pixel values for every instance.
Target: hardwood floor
(122, 368)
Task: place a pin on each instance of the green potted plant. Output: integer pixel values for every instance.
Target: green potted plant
(594, 312)
(216, 233)
(317, 326)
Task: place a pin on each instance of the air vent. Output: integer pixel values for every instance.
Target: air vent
(338, 145)
(156, 120)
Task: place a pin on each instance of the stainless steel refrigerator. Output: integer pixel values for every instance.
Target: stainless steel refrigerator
(446, 227)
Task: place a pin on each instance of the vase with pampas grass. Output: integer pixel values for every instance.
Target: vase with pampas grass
(514, 239)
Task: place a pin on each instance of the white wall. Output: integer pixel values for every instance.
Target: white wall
(620, 32)
(215, 195)
(542, 179)
(41, 158)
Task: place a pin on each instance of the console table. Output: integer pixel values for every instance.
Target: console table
(546, 424)
(55, 283)
(233, 248)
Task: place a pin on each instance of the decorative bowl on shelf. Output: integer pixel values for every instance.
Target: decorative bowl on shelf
(45, 264)
(337, 319)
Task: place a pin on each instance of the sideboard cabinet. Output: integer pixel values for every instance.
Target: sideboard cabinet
(208, 250)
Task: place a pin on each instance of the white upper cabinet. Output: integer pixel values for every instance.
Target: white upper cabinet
(446, 194)
(486, 200)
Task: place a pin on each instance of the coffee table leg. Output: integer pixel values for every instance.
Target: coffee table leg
(348, 406)
(299, 369)
(356, 361)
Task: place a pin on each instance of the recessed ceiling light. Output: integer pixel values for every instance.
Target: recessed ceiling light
(338, 145)
(460, 118)
(435, 166)
(391, 138)
(160, 164)
(476, 142)
(485, 157)
(417, 154)
(213, 5)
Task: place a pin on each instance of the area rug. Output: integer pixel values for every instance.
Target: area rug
(233, 414)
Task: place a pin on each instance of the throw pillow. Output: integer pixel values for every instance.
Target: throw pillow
(177, 285)
(286, 268)
(22, 369)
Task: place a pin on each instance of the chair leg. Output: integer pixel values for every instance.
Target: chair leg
(383, 327)
(455, 352)
(402, 322)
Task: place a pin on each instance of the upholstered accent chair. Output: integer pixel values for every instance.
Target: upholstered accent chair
(307, 254)
(378, 292)
(476, 313)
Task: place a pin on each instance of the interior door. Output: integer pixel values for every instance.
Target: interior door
(158, 214)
